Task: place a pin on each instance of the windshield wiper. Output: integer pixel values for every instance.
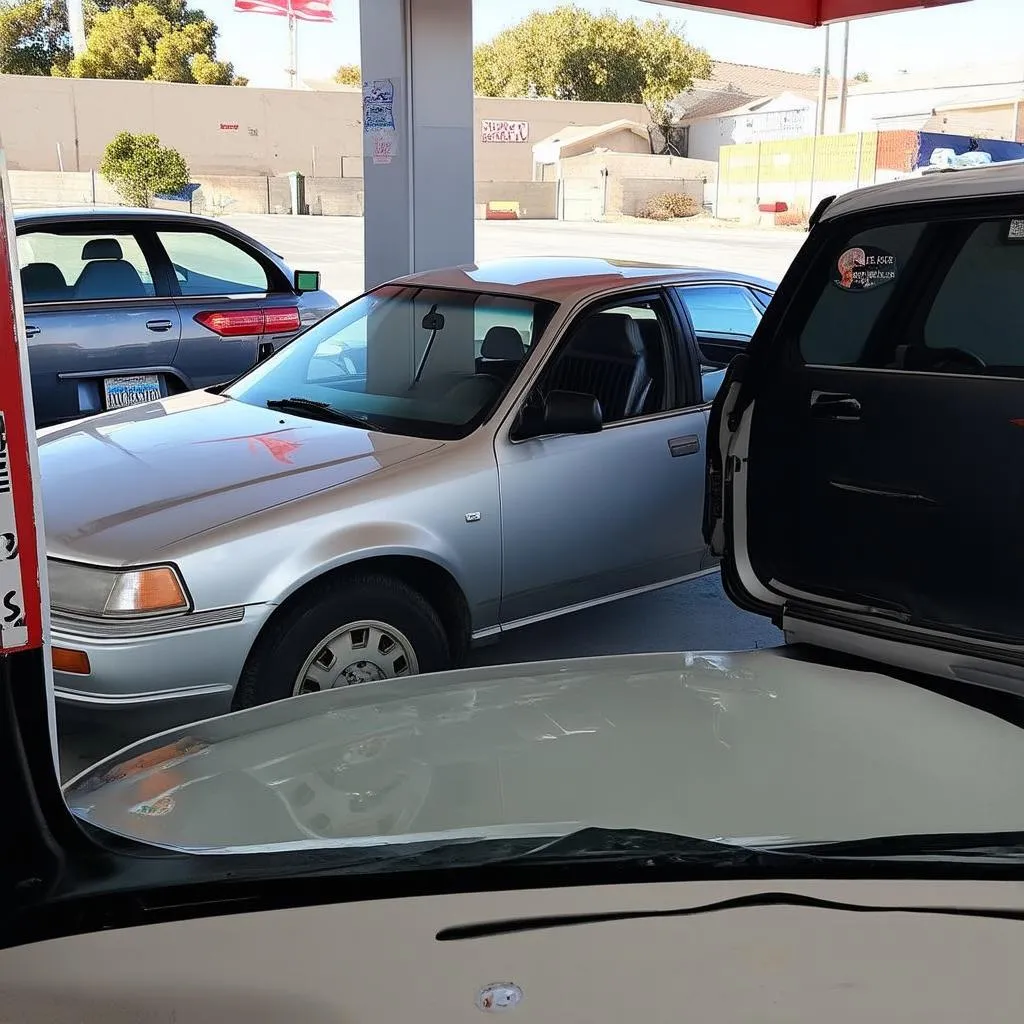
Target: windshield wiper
(988, 846)
(322, 411)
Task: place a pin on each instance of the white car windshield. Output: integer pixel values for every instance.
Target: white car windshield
(422, 361)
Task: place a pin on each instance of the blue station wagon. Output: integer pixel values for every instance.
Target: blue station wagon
(124, 306)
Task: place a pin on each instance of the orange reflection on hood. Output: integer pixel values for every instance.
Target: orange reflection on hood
(278, 447)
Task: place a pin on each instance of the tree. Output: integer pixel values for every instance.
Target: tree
(34, 37)
(569, 53)
(348, 74)
(155, 40)
(140, 168)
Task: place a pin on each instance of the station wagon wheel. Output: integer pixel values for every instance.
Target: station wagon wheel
(360, 652)
(347, 628)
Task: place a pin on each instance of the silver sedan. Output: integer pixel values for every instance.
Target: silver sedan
(446, 458)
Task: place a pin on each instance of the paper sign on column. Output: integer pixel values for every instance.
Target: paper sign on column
(379, 119)
(13, 630)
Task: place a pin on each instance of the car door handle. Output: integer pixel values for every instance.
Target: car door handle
(687, 445)
(158, 325)
(827, 405)
(31, 330)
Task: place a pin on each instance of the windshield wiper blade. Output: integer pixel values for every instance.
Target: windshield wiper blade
(620, 845)
(321, 410)
(1007, 846)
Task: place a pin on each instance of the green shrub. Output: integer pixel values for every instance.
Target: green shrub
(139, 168)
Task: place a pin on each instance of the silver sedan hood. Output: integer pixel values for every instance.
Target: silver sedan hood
(175, 468)
(757, 744)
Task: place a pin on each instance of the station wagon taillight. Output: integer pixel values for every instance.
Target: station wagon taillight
(237, 323)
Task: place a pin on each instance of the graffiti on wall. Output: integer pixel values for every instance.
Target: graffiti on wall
(493, 130)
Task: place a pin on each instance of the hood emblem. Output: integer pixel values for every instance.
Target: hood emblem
(500, 996)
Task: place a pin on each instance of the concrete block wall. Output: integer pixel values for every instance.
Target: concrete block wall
(334, 197)
(633, 193)
(538, 200)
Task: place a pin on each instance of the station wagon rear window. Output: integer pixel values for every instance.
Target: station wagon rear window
(82, 267)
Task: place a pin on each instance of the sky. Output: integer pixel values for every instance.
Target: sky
(978, 31)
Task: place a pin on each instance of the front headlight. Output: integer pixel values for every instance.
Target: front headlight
(116, 593)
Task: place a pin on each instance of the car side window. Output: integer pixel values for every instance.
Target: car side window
(207, 264)
(721, 309)
(976, 309)
(859, 278)
(65, 267)
(620, 354)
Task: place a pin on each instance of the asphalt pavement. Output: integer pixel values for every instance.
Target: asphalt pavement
(690, 616)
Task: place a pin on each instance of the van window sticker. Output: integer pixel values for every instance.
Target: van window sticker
(862, 268)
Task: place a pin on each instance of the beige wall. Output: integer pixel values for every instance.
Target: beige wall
(989, 122)
(279, 130)
(624, 141)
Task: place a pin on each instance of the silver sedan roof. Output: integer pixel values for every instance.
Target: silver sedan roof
(568, 278)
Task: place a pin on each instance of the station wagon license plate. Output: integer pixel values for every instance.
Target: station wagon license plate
(121, 392)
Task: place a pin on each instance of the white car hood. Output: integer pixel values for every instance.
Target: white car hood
(755, 744)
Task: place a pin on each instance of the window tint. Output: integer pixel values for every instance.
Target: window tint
(837, 331)
(206, 264)
(621, 356)
(721, 309)
(977, 307)
(57, 267)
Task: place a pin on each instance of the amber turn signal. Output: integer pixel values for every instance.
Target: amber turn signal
(75, 662)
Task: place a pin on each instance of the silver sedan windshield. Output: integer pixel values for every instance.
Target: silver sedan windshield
(421, 361)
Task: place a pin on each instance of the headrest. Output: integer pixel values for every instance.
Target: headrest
(102, 249)
(608, 334)
(42, 281)
(503, 343)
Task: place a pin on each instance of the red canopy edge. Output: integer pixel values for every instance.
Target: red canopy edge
(21, 601)
(809, 13)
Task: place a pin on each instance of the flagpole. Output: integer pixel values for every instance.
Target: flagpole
(291, 46)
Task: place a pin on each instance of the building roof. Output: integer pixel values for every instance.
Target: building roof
(756, 81)
(997, 179)
(572, 134)
(961, 76)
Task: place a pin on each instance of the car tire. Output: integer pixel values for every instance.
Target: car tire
(373, 605)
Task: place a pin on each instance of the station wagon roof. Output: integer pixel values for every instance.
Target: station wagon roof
(567, 278)
(989, 180)
(26, 215)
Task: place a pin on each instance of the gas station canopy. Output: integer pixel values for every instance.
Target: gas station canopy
(805, 12)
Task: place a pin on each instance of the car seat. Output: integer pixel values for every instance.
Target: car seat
(107, 274)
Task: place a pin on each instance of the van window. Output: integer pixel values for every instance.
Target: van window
(837, 330)
(977, 306)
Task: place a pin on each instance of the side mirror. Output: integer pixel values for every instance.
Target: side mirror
(306, 281)
(570, 412)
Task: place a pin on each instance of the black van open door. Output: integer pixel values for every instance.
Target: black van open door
(865, 484)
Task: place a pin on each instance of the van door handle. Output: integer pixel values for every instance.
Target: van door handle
(826, 405)
(688, 445)
(158, 325)
(31, 330)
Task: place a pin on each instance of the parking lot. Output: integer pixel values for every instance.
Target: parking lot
(694, 615)
(334, 245)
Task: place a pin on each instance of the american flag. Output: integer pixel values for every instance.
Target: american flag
(304, 10)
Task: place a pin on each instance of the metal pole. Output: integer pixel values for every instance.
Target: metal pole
(291, 47)
(823, 85)
(845, 85)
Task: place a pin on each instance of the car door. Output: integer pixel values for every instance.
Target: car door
(876, 437)
(231, 300)
(587, 517)
(102, 329)
(723, 317)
